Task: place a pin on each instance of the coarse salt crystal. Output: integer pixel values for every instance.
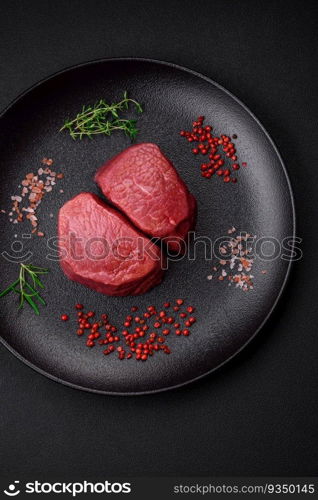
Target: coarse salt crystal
(34, 188)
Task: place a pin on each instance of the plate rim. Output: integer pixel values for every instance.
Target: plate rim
(292, 201)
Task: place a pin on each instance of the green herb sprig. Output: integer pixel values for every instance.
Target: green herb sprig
(103, 118)
(26, 284)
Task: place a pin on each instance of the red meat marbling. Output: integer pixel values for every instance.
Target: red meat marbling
(102, 250)
(145, 186)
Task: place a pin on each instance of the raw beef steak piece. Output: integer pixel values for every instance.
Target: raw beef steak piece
(102, 250)
(144, 184)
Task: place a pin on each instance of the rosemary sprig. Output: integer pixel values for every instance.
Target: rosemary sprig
(103, 118)
(25, 286)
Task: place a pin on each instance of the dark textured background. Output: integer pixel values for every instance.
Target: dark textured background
(257, 416)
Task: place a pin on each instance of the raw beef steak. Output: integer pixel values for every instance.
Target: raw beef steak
(102, 250)
(144, 184)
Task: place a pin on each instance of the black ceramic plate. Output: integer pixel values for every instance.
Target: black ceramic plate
(260, 203)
